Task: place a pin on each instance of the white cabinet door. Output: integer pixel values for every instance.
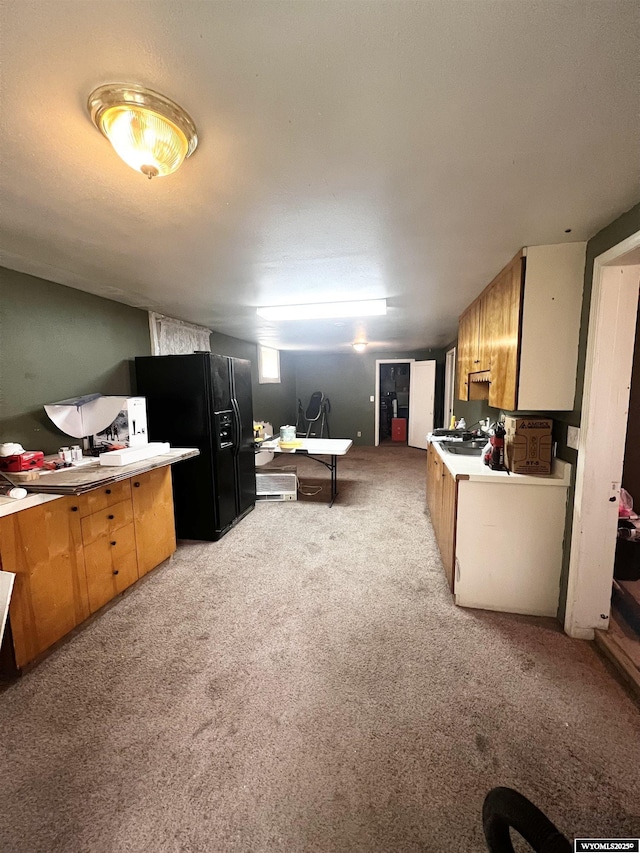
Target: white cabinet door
(421, 396)
(509, 546)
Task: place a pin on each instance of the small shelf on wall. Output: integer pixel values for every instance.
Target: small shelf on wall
(479, 385)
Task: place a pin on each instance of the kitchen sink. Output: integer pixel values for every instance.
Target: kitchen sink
(464, 448)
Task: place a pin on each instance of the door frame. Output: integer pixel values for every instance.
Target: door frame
(376, 404)
(603, 427)
(449, 386)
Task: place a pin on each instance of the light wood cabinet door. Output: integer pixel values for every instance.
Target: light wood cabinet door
(430, 477)
(153, 517)
(434, 486)
(43, 546)
(504, 313)
(441, 500)
(474, 346)
(466, 349)
(111, 565)
(483, 358)
(447, 540)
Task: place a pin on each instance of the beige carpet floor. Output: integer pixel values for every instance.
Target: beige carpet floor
(307, 685)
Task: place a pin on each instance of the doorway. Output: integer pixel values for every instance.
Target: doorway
(392, 401)
(610, 346)
(404, 401)
(622, 639)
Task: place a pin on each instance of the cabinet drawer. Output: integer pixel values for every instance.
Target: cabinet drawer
(106, 522)
(111, 566)
(103, 497)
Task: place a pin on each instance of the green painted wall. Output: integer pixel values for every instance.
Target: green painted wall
(348, 381)
(274, 403)
(57, 342)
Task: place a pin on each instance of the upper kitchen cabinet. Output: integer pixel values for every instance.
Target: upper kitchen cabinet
(474, 349)
(518, 341)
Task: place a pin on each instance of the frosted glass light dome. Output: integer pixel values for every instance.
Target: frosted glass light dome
(151, 133)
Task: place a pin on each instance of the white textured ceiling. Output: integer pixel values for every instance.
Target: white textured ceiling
(347, 150)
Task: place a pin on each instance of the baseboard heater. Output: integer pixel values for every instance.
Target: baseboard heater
(277, 484)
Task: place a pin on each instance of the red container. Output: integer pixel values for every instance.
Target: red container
(22, 461)
(398, 429)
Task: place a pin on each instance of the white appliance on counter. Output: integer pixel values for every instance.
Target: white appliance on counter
(122, 420)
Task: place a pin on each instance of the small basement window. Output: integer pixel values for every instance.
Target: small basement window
(268, 365)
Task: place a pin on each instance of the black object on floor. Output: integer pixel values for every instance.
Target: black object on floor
(505, 808)
(626, 566)
(627, 605)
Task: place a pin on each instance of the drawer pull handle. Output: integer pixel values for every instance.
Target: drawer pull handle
(115, 571)
(137, 485)
(111, 517)
(112, 543)
(74, 509)
(107, 491)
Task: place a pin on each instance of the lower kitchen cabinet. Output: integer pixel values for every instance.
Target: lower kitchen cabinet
(441, 500)
(448, 523)
(153, 513)
(111, 566)
(43, 546)
(73, 555)
(500, 536)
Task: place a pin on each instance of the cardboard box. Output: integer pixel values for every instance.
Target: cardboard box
(527, 445)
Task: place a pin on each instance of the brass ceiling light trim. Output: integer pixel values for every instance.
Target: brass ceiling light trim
(149, 131)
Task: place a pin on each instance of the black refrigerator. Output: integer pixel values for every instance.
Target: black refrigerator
(204, 400)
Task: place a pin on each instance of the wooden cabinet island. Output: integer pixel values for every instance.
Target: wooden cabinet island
(75, 551)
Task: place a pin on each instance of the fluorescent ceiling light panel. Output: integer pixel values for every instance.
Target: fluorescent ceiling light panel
(325, 310)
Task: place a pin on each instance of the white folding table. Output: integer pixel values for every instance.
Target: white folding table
(313, 448)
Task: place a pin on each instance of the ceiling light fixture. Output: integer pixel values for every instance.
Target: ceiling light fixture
(359, 346)
(150, 132)
(325, 310)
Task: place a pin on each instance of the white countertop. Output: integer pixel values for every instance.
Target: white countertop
(9, 505)
(473, 468)
(102, 474)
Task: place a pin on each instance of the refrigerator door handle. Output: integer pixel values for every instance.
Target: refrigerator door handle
(237, 432)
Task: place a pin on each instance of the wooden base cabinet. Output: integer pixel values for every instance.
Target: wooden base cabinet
(500, 538)
(153, 513)
(441, 500)
(43, 546)
(73, 555)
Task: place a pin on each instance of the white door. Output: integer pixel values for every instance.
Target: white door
(422, 388)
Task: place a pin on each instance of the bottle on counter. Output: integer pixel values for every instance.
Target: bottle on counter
(497, 448)
(8, 490)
